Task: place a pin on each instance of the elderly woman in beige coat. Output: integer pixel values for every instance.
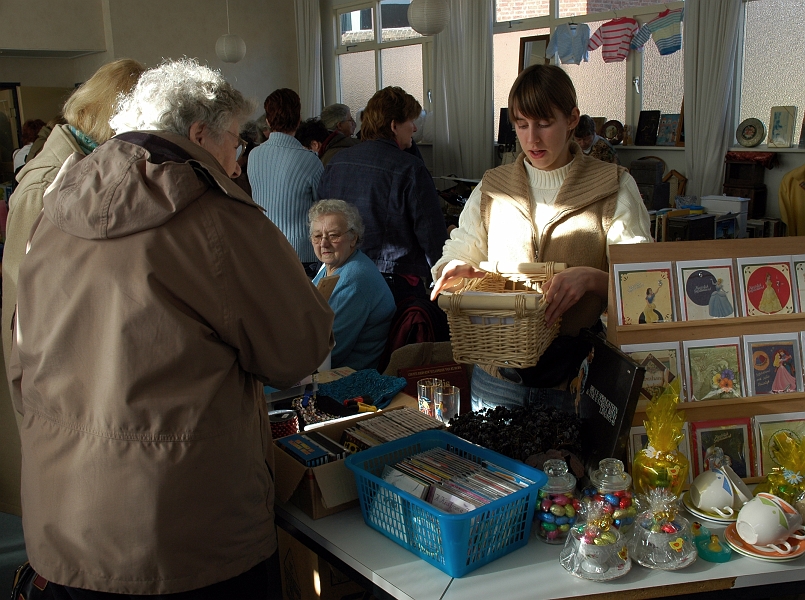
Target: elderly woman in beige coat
(155, 301)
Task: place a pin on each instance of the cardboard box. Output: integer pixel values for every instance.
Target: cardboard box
(323, 490)
(307, 576)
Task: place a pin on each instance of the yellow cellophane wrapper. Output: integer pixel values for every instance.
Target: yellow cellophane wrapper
(788, 480)
(661, 464)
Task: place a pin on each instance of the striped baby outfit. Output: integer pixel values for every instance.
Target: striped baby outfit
(615, 37)
(666, 30)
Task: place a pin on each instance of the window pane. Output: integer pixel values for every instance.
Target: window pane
(663, 82)
(357, 26)
(512, 10)
(403, 67)
(774, 71)
(600, 86)
(506, 51)
(571, 8)
(357, 78)
(394, 21)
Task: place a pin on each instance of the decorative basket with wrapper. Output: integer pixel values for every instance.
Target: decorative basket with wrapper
(661, 464)
(499, 319)
(788, 480)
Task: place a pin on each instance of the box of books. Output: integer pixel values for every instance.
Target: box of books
(309, 466)
(454, 504)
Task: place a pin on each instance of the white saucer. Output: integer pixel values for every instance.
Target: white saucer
(707, 516)
(735, 542)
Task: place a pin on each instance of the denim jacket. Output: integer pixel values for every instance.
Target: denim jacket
(396, 197)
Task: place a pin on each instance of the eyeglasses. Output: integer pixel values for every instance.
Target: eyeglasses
(332, 237)
(241, 144)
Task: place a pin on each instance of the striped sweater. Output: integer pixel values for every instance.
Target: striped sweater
(284, 176)
(615, 37)
(666, 30)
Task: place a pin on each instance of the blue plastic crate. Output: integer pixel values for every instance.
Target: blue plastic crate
(456, 544)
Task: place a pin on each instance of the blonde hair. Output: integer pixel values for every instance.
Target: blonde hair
(91, 106)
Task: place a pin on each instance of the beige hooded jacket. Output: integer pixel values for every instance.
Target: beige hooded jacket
(154, 302)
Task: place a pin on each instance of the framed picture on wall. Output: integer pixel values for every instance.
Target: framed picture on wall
(781, 126)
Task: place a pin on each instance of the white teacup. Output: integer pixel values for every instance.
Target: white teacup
(742, 492)
(712, 492)
(767, 522)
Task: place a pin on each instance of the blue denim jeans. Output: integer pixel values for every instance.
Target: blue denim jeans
(487, 391)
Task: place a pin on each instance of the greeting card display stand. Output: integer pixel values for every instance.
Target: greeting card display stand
(677, 331)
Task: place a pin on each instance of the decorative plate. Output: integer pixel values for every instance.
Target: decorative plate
(750, 133)
(735, 542)
(613, 132)
(707, 516)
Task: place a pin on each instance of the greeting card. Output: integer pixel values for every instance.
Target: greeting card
(773, 363)
(662, 363)
(706, 289)
(723, 442)
(766, 427)
(713, 368)
(643, 292)
(766, 285)
(798, 261)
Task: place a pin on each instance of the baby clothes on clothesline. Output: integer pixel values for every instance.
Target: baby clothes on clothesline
(666, 31)
(568, 44)
(615, 37)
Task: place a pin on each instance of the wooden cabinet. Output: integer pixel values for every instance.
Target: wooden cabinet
(711, 328)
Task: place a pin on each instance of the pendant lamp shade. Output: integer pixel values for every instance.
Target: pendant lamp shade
(230, 48)
(428, 17)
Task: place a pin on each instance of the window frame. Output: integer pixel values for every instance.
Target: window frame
(377, 46)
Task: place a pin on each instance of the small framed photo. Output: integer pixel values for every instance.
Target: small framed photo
(644, 293)
(662, 363)
(766, 284)
(668, 130)
(706, 289)
(767, 427)
(713, 368)
(798, 262)
(723, 441)
(773, 363)
(781, 126)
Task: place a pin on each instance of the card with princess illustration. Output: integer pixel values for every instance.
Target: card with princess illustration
(713, 368)
(706, 289)
(662, 363)
(773, 363)
(644, 293)
(798, 261)
(767, 285)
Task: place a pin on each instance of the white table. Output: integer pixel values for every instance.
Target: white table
(532, 572)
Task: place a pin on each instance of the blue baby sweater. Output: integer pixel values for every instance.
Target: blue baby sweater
(667, 32)
(363, 307)
(568, 44)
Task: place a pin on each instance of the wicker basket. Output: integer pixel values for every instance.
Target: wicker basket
(505, 330)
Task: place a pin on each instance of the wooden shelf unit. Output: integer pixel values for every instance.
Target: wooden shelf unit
(678, 331)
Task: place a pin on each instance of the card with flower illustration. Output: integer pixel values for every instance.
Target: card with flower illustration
(769, 427)
(706, 289)
(713, 368)
(798, 260)
(662, 363)
(644, 293)
(638, 440)
(767, 286)
(723, 442)
(773, 363)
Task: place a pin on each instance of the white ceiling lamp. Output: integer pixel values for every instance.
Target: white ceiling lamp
(428, 17)
(230, 48)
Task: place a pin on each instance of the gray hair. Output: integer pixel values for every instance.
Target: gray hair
(334, 114)
(338, 207)
(178, 93)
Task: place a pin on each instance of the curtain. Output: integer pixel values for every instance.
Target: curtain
(463, 105)
(308, 44)
(711, 51)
